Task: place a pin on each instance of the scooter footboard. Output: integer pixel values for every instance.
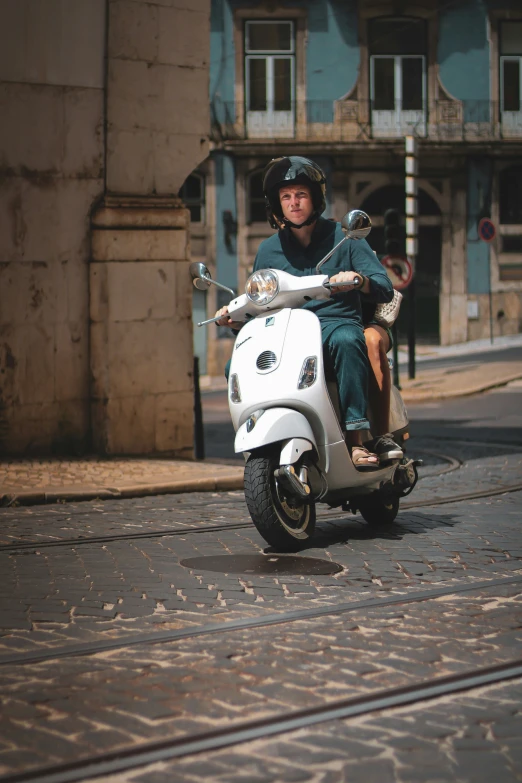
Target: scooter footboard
(274, 425)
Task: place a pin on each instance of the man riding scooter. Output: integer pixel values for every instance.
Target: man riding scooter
(294, 189)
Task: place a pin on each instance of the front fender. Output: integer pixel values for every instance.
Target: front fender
(276, 424)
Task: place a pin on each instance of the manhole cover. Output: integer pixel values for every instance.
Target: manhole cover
(262, 564)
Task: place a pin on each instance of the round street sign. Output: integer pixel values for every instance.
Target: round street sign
(400, 271)
(486, 230)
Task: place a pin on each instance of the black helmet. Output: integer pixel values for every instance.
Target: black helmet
(288, 171)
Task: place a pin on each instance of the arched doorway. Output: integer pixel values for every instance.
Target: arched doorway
(428, 269)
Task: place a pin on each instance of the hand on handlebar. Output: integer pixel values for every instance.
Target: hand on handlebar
(225, 320)
(346, 277)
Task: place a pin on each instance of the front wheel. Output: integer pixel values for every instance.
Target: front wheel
(284, 522)
(378, 510)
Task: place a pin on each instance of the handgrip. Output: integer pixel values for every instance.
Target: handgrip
(346, 284)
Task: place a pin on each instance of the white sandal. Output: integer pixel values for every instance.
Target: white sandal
(366, 459)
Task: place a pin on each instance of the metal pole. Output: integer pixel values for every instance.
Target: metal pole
(199, 437)
(490, 308)
(395, 356)
(411, 329)
(412, 170)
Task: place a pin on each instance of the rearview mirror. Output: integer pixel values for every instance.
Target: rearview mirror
(356, 224)
(200, 275)
(202, 278)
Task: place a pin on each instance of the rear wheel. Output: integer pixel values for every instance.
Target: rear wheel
(379, 510)
(285, 522)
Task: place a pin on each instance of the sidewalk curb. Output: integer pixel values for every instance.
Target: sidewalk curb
(231, 482)
(412, 396)
(210, 484)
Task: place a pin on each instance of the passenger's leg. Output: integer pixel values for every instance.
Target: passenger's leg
(379, 383)
(345, 354)
(379, 388)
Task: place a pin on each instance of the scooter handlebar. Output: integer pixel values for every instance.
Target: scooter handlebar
(347, 284)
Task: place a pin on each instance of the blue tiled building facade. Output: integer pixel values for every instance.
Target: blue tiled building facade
(343, 82)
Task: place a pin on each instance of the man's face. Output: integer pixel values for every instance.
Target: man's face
(296, 203)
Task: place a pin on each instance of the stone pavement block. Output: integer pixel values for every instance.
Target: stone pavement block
(21, 759)
(472, 743)
(240, 777)
(505, 729)
(50, 617)
(376, 771)
(104, 739)
(13, 622)
(288, 774)
(156, 710)
(149, 776)
(339, 741)
(202, 770)
(53, 746)
(81, 611)
(122, 721)
(481, 766)
(513, 751)
(445, 773)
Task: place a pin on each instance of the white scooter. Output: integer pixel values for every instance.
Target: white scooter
(286, 415)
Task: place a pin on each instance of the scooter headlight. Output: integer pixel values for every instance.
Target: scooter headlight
(262, 287)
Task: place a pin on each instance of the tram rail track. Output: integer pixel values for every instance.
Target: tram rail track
(92, 648)
(453, 464)
(418, 693)
(184, 531)
(340, 709)
(280, 618)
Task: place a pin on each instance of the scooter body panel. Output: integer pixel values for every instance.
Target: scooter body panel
(292, 336)
(276, 424)
(271, 384)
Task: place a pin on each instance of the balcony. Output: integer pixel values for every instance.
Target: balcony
(359, 121)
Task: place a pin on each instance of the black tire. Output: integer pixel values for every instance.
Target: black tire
(379, 510)
(284, 523)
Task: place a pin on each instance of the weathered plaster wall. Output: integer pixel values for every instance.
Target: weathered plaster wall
(51, 171)
(104, 112)
(222, 67)
(332, 55)
(141, 335)
(480, 185)
(157, 120)
(226, 259)
(463, 54)
(141, 292)
(225, 183)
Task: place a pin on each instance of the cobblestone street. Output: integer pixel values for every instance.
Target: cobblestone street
(111, 646)
(260, 391)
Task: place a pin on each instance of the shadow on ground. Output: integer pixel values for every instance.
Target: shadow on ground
(350, 529)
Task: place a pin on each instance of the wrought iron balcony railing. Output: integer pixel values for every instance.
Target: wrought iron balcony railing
(352, 120)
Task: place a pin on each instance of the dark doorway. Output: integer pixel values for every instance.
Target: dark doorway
(428, 272)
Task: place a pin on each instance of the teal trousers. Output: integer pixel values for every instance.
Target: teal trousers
(346, 360)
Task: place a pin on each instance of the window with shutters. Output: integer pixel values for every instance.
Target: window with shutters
(511, 77)
(270, 78)
(398, 51)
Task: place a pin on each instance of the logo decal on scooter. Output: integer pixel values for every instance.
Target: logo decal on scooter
(270, 321)
(238, 345)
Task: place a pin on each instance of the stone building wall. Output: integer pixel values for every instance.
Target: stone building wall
(51, 171)
(105, 111)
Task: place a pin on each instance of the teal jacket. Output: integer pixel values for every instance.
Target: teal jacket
(283, 251)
